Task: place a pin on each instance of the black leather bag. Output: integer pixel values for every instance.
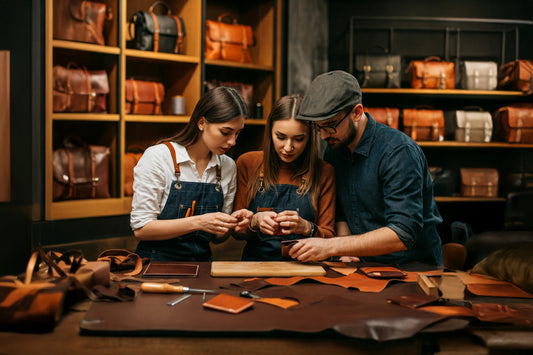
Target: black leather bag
(445, 181)
(158, 33)
(378, 70)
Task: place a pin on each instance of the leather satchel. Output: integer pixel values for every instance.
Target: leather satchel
(158, 33)
(80, 171)
(246, 90)
(144, 97)
(479, 182)
(80, 20)
(423, 124)
(479, 75)
(516, 75)
(469, 126)
(131, 158)
(228, 41)
(77, 89)
(378, 71)
(432, 73)
(444, 181)
(385, 115)
(515, 123)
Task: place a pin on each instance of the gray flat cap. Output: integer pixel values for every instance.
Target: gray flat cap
(329, 94)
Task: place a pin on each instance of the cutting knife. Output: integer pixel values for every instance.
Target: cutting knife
(154, 287)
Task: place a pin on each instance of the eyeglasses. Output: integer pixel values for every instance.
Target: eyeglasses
(331, 129)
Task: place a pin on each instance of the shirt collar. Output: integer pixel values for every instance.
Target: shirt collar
(182, 156)
(365, 143)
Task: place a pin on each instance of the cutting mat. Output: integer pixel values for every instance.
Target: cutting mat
(264, 269)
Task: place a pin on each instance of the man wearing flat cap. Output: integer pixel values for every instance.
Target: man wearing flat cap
(385, 207)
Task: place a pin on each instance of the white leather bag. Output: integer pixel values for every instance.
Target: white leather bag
(479, 75)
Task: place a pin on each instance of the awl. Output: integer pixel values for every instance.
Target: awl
(153, 287)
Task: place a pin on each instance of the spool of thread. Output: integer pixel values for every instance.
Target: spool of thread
(178, 105)
(258, 110)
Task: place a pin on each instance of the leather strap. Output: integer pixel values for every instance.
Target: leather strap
(156, 32)
(177, 171)
(244, 44)
(135, 105)
(158, 100)
(179, 40)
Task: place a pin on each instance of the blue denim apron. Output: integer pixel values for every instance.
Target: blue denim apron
(264, 247)
(193, 246)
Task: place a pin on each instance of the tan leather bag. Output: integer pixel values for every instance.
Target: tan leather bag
(77, 89)
(385, 115)
(144, 97)
(228, 41)
(80, 171)
(432, 73)
(516, 75)
(515, 123)
(423, 124)
(131, 158)
(80, 20)
(479, 182)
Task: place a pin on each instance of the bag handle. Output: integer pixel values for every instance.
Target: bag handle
(227, 15)
(160, 3)
(433, 58)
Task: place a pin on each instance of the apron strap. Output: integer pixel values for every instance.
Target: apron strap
(177, 171)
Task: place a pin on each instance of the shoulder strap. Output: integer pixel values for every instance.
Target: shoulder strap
(177, 171)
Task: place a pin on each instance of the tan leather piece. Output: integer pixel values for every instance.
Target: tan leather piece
(278, 302)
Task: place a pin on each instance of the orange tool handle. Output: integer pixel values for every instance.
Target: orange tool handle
(153, 287)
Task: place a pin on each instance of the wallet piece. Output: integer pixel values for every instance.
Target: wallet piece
(162, 268)
(286, 246)
(228, 303)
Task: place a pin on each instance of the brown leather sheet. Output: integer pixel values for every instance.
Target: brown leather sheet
(321, 308)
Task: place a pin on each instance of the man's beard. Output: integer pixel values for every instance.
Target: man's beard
(337, 144)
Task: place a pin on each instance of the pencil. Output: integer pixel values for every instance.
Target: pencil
(193, 207)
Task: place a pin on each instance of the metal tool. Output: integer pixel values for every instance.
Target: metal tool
(178, 300)
(153, 287)
(249, 294)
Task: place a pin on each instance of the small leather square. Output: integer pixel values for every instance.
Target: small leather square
(228, 303)
(162, 268)
(386, 272)
(286, 246)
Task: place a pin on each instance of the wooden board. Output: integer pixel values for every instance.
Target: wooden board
(264, 269)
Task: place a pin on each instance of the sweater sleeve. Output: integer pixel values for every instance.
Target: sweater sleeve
(246, 166)
(326, 203)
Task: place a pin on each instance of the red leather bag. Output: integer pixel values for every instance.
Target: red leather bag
(79, 90)
(423, 124)
(432, 73)
(516, 75)
(385, 115)
(515, 123)
(80, 20)
(144, 97)
(228, 41)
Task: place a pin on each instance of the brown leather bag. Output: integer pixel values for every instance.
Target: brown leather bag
(228, 41)
(80, 20)
(131, 158)
(479, 182)
(144, 97)
(516, 75)
(246, 90)
(80, 171)
(423, 124)
(432, 73)
(79, 90)
(515, 123)
(385, 115)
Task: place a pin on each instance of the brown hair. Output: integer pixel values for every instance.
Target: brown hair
(306, 166)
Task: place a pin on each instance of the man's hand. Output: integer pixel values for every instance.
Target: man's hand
(311, 249)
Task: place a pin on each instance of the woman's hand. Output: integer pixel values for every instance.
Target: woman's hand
(290, 222)
(265, 222)
(244, 218)
(217, 222)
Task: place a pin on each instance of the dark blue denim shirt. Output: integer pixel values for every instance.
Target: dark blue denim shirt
(385, 182)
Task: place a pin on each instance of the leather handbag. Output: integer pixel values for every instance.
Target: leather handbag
(131, 158)
(246, 90)
(80, 20)
(469, 126)
(158, 33)
(444, 181)
(228, 41)
(144, 97)
(516, 75)
(479, 182)
(80, 171)
(378, 71)
(423, 124)
(479, 75)
(432, 73)
(386, 115)
(515, 123)
(77, 89)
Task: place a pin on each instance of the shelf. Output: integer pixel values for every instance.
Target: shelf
(86, 117)
(453, 144)
(225, 63)
(450, 92)
(255, 122)
(163, 57)
(468, 199)
(78, 46)
(157, 118)
(88, 208)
